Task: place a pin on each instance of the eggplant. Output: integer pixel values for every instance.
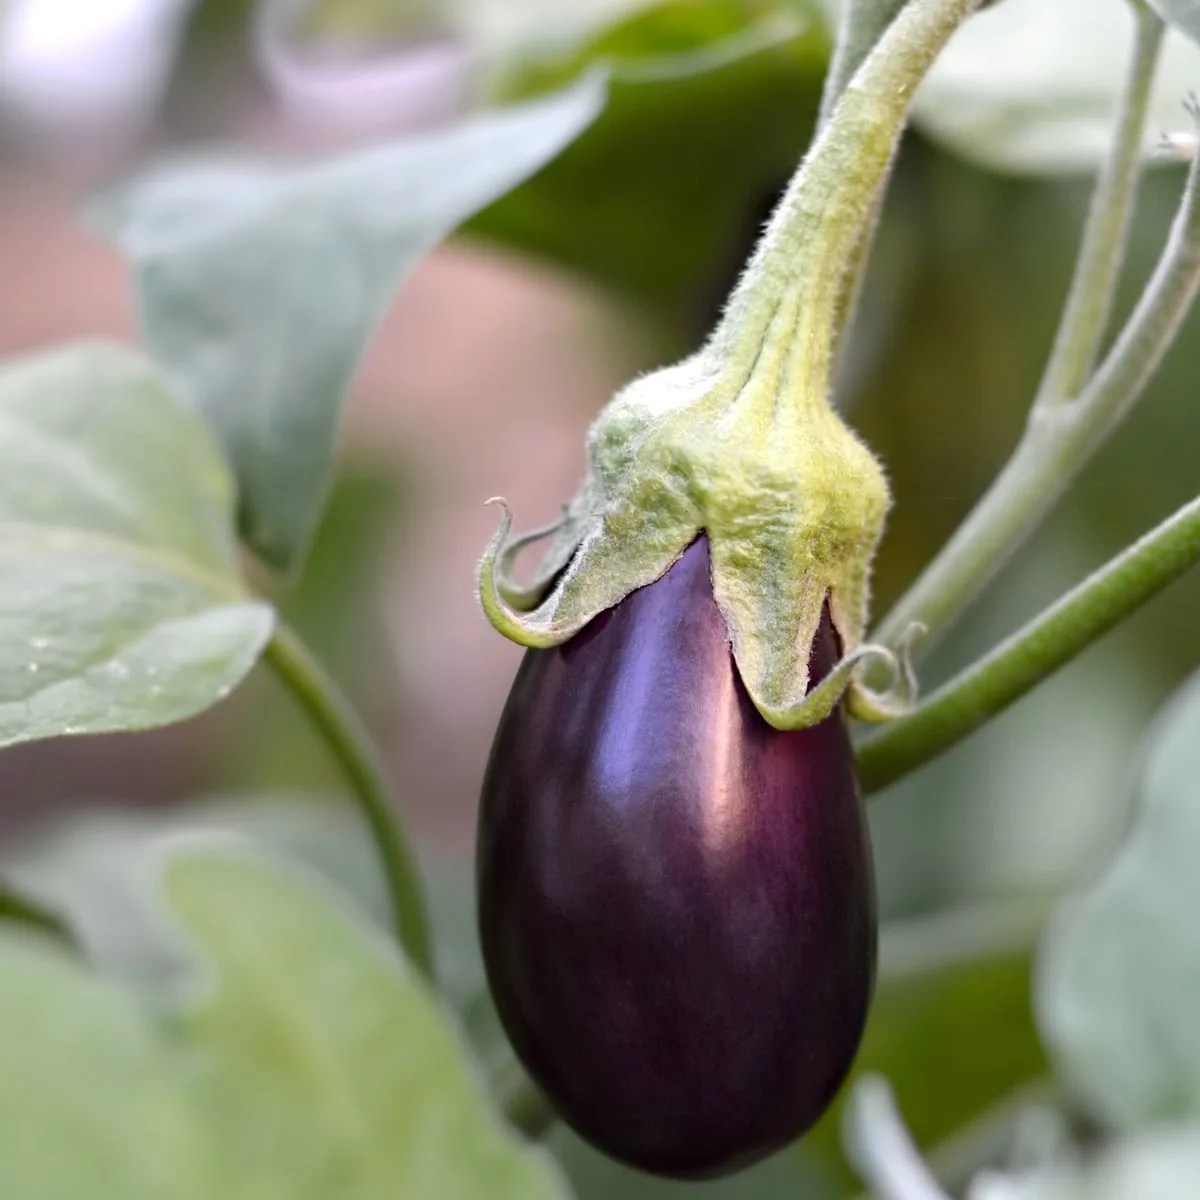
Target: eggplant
(676, 900)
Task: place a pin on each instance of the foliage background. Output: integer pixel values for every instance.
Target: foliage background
(504, 343)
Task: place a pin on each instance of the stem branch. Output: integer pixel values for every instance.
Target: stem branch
(1064, 429)
(1106, 231)
(1035, 652)
(344, 734)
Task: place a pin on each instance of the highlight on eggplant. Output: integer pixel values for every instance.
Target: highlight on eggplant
(676, 900)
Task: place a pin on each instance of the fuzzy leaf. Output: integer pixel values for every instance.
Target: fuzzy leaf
(120, 601)
(259, 285)
(1119, 969)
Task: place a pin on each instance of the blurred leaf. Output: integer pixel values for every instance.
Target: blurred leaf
(711, 104)
(120, 601)
(1119, 968)
(787, 1176)
(90, 1102)
(1031, 86)
(92, 875)
(952, 1039)
(1160, 1165)
(321, 1057)
(259, 286)
(1183, 14)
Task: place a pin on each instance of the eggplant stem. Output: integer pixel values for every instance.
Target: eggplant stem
(1072, 418)
(1035, 652)
(348, 740)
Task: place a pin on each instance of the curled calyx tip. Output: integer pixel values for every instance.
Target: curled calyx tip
(504, 616)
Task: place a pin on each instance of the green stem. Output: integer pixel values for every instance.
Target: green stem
(351, 745)
(15, 907)
(861, 26)
(1064, 432)
(1035, 652)
(1106, 232)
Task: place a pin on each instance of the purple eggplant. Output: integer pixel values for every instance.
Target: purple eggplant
(676, 901)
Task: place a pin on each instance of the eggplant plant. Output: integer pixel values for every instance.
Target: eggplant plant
(681, 964)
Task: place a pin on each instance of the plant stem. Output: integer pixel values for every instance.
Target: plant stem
(15, 907)
(344, 734)
(862, 23)
(1106, 231)
(882, 1149)
(1035, 652)
(1064, 432)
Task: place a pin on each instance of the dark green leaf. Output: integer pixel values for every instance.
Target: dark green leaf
(950, 1027)
(1119, 968)
(711, 104)
(120, 601)
(259, 286)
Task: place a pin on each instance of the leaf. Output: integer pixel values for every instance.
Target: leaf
(320, 1055)
(92, 876)
(662, 197)
(1183, 14)
(259, 286)
(1163, 1164)
(90, 1102)
(120, 601)
(950, 1026)
(1119, 967)
(1032, 86)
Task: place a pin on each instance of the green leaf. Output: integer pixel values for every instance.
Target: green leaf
(950, 1025)
(1163, 1164)
(259, 286)
(1032, 86)
(120, 601)
(322, 1058)
(711, 104)
(91, 876)
(1119, 967)
(90, 1102)
(1183, 14)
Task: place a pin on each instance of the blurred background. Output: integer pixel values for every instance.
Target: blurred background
(504, 343)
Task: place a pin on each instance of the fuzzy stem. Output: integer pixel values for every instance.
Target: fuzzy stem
(1048, 642)
(1106, 232)
(861, 26)
(1062, 435)
(793, 291)
(343, 732)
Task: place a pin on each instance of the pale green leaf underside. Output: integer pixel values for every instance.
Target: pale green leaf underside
(1119, 977)
(1162, 1164)
(300, 1059)
(120, 602)
(258, 286)
(324, 1061)
(1183, 14)
(91, 1107)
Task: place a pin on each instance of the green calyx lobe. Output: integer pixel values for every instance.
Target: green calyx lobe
(740, 440)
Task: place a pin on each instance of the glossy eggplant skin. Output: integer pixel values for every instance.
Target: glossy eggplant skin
(676, 901)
